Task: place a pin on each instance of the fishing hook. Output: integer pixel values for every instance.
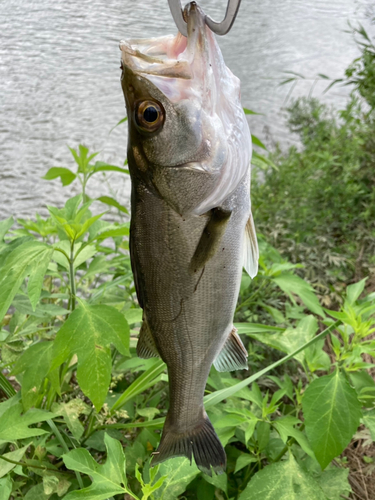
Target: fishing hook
(219, 28)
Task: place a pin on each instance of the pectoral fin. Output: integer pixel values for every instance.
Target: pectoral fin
(251, 251)
(146, 347)
(210, 239)
(233, 355)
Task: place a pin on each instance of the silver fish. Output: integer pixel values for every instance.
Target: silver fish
(189, 152)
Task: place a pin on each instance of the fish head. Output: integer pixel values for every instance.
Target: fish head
(186, 122)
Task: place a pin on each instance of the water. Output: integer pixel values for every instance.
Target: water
(59, 78)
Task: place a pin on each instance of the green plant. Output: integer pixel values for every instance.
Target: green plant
(317, 206)
(69, 327)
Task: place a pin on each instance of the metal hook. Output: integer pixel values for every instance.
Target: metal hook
(219, 28)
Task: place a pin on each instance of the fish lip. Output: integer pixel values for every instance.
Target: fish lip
(176, 54)
(195, 18)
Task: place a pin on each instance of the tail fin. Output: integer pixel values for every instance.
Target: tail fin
(201, 442)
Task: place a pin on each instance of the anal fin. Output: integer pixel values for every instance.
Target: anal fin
(146, 347)
(251, 251)
(233, 355)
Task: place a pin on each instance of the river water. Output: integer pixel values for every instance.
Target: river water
(59, 78)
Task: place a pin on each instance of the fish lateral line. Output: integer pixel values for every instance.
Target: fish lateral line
(199, 279)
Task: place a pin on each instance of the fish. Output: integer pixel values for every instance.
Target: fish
(191, 229)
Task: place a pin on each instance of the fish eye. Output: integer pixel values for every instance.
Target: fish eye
(149, 115)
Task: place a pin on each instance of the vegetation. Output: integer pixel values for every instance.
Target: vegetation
(317, 204)
(80, 413)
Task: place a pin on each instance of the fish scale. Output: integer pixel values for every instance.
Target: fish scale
(191, 225)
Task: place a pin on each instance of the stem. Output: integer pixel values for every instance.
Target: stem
(50, 397)
(64, 253)
(248, 474)
(64, 370)
(90, 426)
(287, 446)
(249, 299)
(6, 387)
(84, 182)
(25, 464)
(72, 280)
(56, 431)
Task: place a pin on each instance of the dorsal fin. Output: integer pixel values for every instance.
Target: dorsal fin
(251, 251)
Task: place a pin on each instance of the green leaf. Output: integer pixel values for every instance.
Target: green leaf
(5, 225)
(6, 485)
(72, 204)
(80, 256)
(88, 333)
(104, 167)
(55, 484)
(369, 421)
(134, 315)
(113, 203)
(119, 123)
(282, 481)
(290, 339)
(98, 265)
(108, 479)
(35, 373)
(36, 493)
(354, 291)
(96, 440)
(122, 230)
(143, 382)
(66, 175)
(16, 455)
(332, 413)
(334, 483)
(219, 481)
(16, 268)
(204, 490)
(83, 255)
(285, 427)
(23, 305)
(70, 412)
(257, 142)
(316, 358)
(87, 224)
(243, 460)
(230, 420)
(252, 328)
(263, 434)
(15, 426)
(364, 385)
(292, 284)
(250, 112)
(148, 412)
(148, 488)
(37, 274)
(262, 162)
(179, 474)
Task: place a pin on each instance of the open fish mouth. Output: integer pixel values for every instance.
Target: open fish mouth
(170, 61)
